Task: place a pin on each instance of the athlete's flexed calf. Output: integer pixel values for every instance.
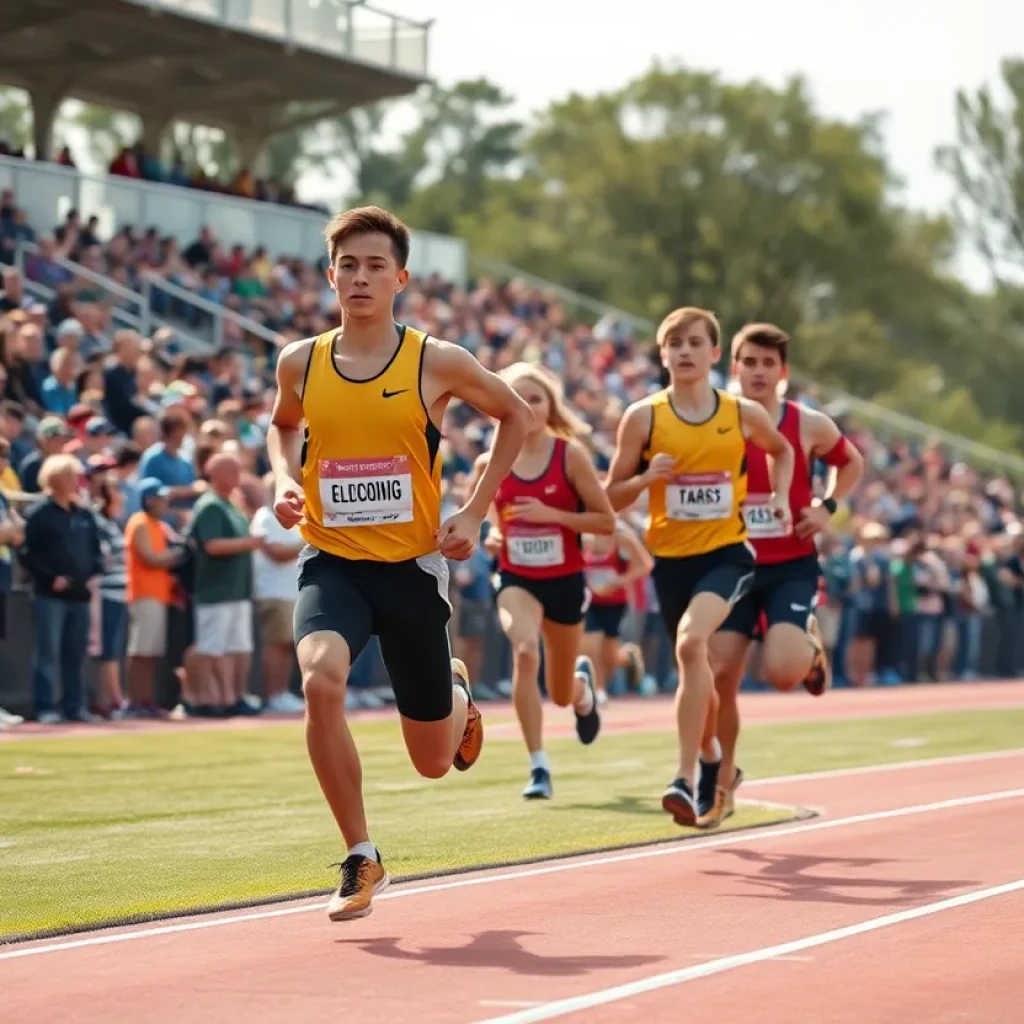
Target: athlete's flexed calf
(687, 445)
(364, 485)
(786, 579)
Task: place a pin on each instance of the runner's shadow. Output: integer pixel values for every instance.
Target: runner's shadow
(792, 877)
(499, 949)
(620, 805)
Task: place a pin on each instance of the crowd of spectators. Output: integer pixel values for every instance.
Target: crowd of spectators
(180, 553)
(135, 162)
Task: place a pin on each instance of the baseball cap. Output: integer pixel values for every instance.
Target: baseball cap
(80, 414)
(70, 326)
(151, 487)
(50, 427)
(99, 464)
(99, 427)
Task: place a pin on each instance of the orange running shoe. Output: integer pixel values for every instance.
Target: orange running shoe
(819, 678)
(473, 737)
(362, 878)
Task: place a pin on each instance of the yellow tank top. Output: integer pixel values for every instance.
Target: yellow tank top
(371, 470)
(699, 508)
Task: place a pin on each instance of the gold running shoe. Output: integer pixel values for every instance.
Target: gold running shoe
(362, 878)
(473, 737)
(715, 814)
(819, 678)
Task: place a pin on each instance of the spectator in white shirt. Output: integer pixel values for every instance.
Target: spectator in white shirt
(276, 588)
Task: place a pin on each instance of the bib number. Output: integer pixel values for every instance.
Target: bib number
(541, 550)
(760, 519)
(699, 497)
(366, 492)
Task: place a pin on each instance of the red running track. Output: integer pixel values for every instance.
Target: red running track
(701, 919)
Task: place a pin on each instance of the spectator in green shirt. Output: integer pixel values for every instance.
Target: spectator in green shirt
(905, 597)
(223, 587)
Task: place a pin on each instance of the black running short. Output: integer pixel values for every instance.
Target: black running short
(785, 592)
(404, 604)
(605, 619)
(727, 572)
(563, 598)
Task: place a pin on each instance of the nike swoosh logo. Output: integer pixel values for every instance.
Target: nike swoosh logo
(724, 430)
(391, 394)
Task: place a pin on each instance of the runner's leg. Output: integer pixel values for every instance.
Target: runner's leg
(520, 615)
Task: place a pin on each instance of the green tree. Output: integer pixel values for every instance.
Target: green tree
(15, 119)
(986, 167)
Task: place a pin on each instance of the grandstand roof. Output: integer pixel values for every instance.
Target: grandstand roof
(218, 62)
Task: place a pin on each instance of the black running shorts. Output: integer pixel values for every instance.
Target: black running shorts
(727, 572)
(405, 604)
(605, 619)
(785, 592)
(563, 598)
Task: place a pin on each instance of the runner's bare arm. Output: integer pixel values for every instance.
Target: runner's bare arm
(284, 438)
(597, 517)
(638, 557)
(758, 427)
(826, 442)
(455, 373)
(625, 483)
(479, 466)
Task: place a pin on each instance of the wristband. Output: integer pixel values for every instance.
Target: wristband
(830, 505)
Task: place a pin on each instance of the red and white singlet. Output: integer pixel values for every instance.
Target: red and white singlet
(773, 541)
(540, 551)
(600, 568)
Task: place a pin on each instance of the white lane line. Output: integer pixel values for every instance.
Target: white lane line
(888, 766)
(563, 1007)
(736, 838)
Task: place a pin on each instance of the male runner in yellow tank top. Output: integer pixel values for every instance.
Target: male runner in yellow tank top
(687, 446)
(364, 486)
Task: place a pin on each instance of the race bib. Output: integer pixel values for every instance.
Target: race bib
(366, 492)
(699, 496)
(760, 518)
(541, 549)
(600, 579)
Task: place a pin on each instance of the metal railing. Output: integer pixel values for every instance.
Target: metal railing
(869, 413)
(353, 30)
(135, 309)
(47, 191)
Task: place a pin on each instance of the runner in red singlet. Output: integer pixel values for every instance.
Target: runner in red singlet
(612, 564)
(787, 578)
(550, 498)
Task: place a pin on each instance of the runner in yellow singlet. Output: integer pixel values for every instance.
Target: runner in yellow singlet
(363, 482)
(686, 445)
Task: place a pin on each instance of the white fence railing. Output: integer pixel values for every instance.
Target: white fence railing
(47, 191)
(341, 28)
(139, 310)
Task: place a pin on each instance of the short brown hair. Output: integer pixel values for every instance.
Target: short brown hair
(684, 317)
(764, 336)
(368, 220)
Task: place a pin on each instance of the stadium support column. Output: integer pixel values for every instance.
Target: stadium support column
(45, 105)
(252, 153)
(154, 130)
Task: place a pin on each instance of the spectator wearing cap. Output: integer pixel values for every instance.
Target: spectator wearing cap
(150, 556)
(61, 554)
(51, 436)
(165, 463)
(223, 586)
(59, 392)
(69, 334)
